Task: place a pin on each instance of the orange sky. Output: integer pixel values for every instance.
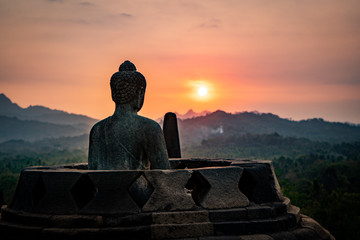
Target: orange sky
(297, 59)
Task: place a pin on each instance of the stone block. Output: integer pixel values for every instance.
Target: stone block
(259, 183)
(222, 193)
(112, 194)
(305, 233)
(308, 222)
(172, 231)
(180, 217)
(70, 233)
(57, 198)
(257, 237)
(169, 193)
(129, 220)
(283, 236)
(24, 198)
(126, 233)
(228, 215)
(259, 212)
(279, 208)
(20, 217)
(76, 221)
(230, 228)
(10, 231)
(221, 238)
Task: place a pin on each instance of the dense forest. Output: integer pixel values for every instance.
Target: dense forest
(321, 178)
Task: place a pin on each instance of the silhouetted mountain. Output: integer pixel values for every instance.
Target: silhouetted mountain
(42, 114)
(195, 130)
(191, 114)
(37, 122)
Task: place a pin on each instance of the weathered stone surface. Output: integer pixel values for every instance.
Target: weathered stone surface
(126, 233)
(10, 230)
(24, 198)
(76, 221)
(180, 217)
(171, 134)
(278, 208)
(113, 196)
(221, 238)
(308, 222)
(259, 212)
(171, 231)
(108, 204)
(70, 233)
(128, 220)
(185, 163)
(259, 183)
(305, 233)
(169, 193)
(257, 237)
(283, 236)
(224, 193)
(58, 198)
(28, 219)
(230, 215)
(141, 190)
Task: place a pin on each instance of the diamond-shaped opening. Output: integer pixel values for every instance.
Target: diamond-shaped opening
(83, 191)
(38, 191)
(247, 184)
(140, 190)
(198, 187)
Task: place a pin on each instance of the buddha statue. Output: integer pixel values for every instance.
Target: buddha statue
(125, 140)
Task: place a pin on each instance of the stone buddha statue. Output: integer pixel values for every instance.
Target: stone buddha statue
(125, 140)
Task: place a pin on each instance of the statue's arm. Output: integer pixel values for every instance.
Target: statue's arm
(96, 148)
(156, 151)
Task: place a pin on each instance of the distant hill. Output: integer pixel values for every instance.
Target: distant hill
(38, 122)
(191, 114)
(195, 130)
(41, 113)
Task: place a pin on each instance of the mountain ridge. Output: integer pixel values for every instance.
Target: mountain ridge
(195, 130)
(41, 113)
(38, 122)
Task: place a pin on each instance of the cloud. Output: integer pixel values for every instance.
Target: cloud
(55, 1)
(87, 4)
(126, 15)
(212, 23)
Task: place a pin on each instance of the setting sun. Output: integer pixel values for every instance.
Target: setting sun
(202, 91)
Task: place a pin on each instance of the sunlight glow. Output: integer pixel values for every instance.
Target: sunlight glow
(202, 91)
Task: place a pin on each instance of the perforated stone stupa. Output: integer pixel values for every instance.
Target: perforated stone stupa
(196, 199)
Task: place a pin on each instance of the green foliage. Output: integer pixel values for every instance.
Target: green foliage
(321, 178)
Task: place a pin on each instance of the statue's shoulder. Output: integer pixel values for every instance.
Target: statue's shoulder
(148, 124)
(98, 127)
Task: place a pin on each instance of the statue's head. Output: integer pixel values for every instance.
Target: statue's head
(128, 86)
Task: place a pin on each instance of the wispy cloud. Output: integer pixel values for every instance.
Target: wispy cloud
(87, 4)
(212, 23)
(127, 15)
(55, 1)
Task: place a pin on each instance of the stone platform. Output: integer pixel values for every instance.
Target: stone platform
(196, 199)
